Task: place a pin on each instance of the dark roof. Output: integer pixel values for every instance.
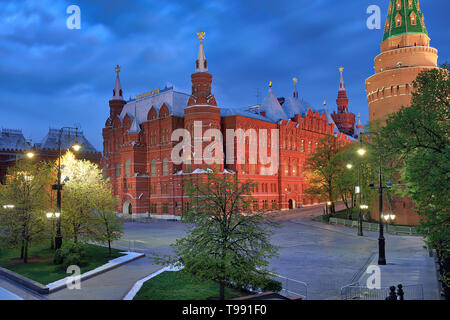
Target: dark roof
(68, 138)
(13, 139)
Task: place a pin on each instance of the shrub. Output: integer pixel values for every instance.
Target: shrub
(71, 254)
(271, 285)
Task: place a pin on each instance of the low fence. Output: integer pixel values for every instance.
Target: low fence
(131, 245)
(356, 292)
(291, 287)
(371, 226)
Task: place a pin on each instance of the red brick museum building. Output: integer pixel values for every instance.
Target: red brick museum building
(138, 147)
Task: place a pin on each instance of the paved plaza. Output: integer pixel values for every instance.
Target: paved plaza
(325, 257)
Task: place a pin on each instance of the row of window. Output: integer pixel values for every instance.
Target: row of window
(165, 168)
(398, 21)
(399, 5)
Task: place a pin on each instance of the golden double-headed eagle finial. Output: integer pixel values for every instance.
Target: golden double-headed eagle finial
(270, 84)
(117, 69)
(201, 35)
(341, 69)
(295, 80)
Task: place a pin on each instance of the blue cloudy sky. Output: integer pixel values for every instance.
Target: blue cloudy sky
(51, 76)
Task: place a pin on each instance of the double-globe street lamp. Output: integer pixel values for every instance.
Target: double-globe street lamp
(58, 186)
(381, 239)
(361, 151)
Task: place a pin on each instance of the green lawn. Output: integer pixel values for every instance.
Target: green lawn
(40, 265)
(171, 285)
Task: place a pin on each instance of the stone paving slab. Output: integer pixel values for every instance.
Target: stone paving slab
(112, 264)
(111, 285)
(6, 295)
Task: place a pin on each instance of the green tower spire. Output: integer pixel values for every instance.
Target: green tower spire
(404, 16)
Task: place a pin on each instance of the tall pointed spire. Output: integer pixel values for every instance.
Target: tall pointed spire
(201, 65)
(404, 16)
(201, 80)
(295, 93)
(117, 92)
(342, 100)
(359, 127)
(341, 83)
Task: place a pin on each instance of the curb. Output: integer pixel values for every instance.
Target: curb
(112, 264)
(138, 285)
(24, 281)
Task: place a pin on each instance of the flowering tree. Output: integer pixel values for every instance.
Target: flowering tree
(26, 192)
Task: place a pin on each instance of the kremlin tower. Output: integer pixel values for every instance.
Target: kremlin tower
(345, 121)
(405, 52)
(201, 112)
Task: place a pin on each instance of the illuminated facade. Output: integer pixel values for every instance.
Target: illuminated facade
(138, 147)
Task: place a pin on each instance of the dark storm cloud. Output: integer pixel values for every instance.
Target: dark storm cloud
(52, 76)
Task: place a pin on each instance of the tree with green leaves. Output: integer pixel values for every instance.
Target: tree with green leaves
(347, 177)
(228, 242)
(323, 167)
(106, 226)
(26, 190)
(416, 139)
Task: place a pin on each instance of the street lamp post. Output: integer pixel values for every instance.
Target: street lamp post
(58, 186)
(361, 152)
(52, 216)
(381, 240)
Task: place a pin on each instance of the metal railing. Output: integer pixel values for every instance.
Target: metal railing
(130, 245)
(390, 228)
(291, 287)
(357, 292)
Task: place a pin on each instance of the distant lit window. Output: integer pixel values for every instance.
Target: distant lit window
(398, 20)
(153, 168)
(165, 167)
(118, 171)
(128, 169)
(413, 18)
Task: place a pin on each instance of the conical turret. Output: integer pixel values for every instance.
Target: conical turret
(404, 16)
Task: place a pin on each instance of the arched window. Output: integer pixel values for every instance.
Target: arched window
(165, 167)
(410, 4)
(309, 146)
(302, 146)
(153, 168)
(128, 168)
(294, 169)
(413, 18)
(286, 167)
(117, 171)
(398, 20)
(399, 4)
